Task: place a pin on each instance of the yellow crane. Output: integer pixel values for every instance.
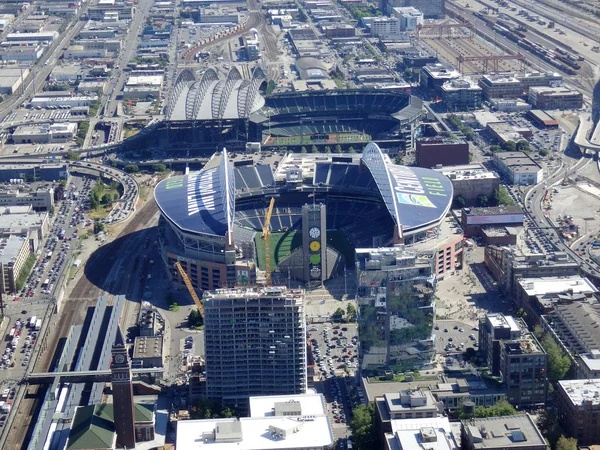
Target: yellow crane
(266, 236)
(188, 284)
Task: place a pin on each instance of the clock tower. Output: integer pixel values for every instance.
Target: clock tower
(122, 389)
(314, 243)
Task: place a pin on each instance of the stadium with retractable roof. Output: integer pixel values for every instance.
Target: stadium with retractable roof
(326, 206)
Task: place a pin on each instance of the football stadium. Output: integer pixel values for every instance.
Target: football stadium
(318, 209)
(206, 111)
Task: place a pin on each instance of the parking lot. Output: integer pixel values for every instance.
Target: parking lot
(453, 336)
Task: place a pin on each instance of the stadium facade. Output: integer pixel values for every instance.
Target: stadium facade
(205, 112)
(331, 212)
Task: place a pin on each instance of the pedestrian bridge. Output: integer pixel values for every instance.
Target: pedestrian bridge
(83, 376)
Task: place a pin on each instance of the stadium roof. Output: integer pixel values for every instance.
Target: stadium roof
(414, 196)
(204, 202)
(209, 98)
(200, 202)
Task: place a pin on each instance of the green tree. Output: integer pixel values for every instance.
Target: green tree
(327, 149)
(303, 150)
(159, 167)
(98, 227)
(502, 408)
(351, 312)
(565, 443)
(131, 168)
(363, 427)
(271, 85)
(351, 150)
(106, 200)
(522, 146)
(502, 198)
(73, 156)
(459, 202)
(559, 363)
(195, 318)
(314, 149)
(521, 313)
(509, 146)
(495, 148)
(338, 148)
(408, 74)
(550, 427)
(482, 200)
(338, 315)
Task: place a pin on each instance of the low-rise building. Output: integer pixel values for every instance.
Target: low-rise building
(555, 98)
(382, 26)
(578, 404)
(517, 432)
(251, 47)
(540, 296)
(45, 133)
(504, 132)
(12, 79)
(405, 404)
(514, 354)
(472, 180)
(519, 168)
(46, 36)
(40, 199)
(431, 152)
(530, 79)
(142, 86)
(147, 352)
(413, 434)
(286, 422)
(542, 119)
(44, 102)
(474, 220)
(338, 30)
(461, 94)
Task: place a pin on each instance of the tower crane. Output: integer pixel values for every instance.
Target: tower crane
(188, 284)
(266, 236)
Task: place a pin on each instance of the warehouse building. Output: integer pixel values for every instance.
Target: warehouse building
(555, 98)
(475, 220)
(472, 180)
(43, 172)
(519, 168)
(44, 133)
(445, 151)
(542, 119)
(11, 79)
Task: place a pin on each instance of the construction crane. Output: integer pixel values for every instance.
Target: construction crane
(188, 284)
(266, 236)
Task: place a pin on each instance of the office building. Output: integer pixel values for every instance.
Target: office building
(519, 168)
(396, 301)
(39, 172)
(514, 354)
(517, 432)
(409, 18)
(461, 94)
(500, 86)
(251, 46)
(555, 98)
(444, 151)
(14, 251)
(383, 27)
(472, 180)
(255, 342)
(530, 79)
(415, 434)
(578, 404)
(288, 422)
(433, 77)
(431, 9)
(41, 200)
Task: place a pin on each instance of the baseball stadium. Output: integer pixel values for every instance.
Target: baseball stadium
(206, 111)
(316, 209)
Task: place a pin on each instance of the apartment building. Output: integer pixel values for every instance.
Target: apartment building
(578, 404)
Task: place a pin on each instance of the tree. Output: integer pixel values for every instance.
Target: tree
(501, 197)
(351, 312)
(408, 74)
(303, 150)
(106, 200)
(482, 200)
(521, 313)
(131, 168)
(98, 227)
(509, 146)
(314, 149)
(195, 319)
(565, 443)
(338, 148)
(543, 152)
(73, 156)
(271, 85)
(495, 148)
(459, 202)
(327, 149)
(351, 150)
(559, 363)
(501, 408)
(338, 315)
(363, 427)
(550, 427)
(159, 167)
(522, 146)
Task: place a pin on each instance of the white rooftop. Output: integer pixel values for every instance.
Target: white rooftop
(419, 434)
(467, 172)
(582, 391)
(311, 404)
(557, 285)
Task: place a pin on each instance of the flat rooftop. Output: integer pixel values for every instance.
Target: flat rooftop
(504, 432)
(19, 221)
(310, 404)
(274, 291)
(147, 347)
(492, 210)
(467, 172)
(422, 434)
(557, 285)
(499, 320)
(10, 248)
(582, 392)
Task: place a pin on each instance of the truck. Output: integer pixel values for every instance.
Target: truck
(32, 321)
(38, 324)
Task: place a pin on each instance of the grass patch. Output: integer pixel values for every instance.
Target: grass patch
(99, 213)
(282, 245)
(129, 131)
(72, 271)
(174, 307)
(399, 377)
